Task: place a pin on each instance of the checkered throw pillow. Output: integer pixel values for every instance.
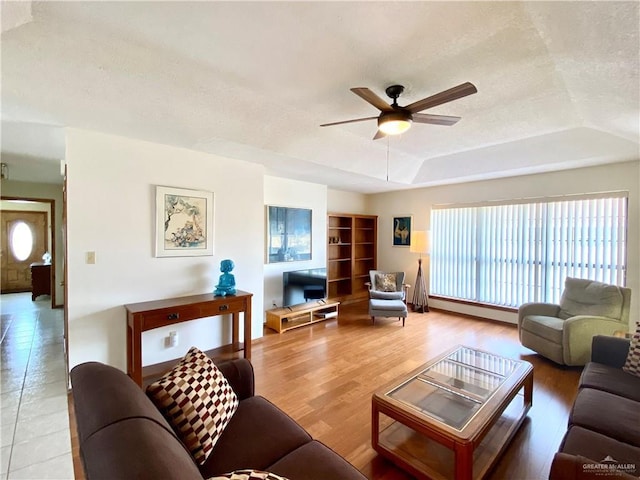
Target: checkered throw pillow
(248, 475)
(632, 365)
(196, 400)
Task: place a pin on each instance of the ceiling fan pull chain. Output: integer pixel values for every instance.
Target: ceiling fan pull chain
(388, 158)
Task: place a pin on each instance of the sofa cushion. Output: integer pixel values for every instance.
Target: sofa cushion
(316, 461)
(610, 379)
(598, 447)
(265, 434)
(197, 401)
(386, 282)
(587, 297)
(549, 328)
(248, 475)
(632, 365)
(386, 295)
(136, 448)
(396, 306)
(608, 414)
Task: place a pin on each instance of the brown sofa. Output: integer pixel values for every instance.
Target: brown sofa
(123, 436)
(604, 424)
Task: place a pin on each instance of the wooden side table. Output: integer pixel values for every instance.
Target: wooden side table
(160, 313)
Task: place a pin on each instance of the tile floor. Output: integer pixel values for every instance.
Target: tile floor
(36, 442)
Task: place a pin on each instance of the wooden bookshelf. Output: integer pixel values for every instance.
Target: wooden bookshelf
(351, 253)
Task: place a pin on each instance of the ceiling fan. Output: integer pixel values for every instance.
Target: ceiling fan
(395, 119)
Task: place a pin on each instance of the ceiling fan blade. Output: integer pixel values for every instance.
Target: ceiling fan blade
(435, 119)
(370, 97)
(379, 134)
(348, 121)
(443, 97)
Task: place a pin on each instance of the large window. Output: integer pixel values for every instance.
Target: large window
(511, 253)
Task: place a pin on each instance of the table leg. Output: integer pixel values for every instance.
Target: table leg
(235, 331)
(375, 425)
(463, 461)
(129, 350)
(528, 389)
(134, 352)
(247, 330)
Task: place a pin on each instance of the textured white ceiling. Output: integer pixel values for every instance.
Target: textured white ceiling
(558, 84)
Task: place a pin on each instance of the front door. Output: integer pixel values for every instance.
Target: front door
(24, 241)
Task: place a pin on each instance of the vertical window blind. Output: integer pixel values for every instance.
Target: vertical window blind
(508, 254)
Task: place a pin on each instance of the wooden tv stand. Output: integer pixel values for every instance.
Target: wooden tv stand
(286, 318)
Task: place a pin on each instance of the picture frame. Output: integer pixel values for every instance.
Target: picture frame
(289, 234)
(401, 230)
(184, 222)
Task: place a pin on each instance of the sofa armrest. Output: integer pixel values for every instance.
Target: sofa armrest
(578, 333)
(566, 467)
(536, 308)
(572, 467)
(611, 351)
(239, 374)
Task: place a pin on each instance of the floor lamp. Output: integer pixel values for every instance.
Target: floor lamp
(420, 245)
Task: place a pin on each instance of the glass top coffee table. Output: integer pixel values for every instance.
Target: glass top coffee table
(453, 416)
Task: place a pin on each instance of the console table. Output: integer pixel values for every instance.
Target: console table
(161, 313)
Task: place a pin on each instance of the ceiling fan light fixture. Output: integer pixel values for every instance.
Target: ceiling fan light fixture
(394, 123)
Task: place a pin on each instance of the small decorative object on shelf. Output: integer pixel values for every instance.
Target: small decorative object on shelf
(227, 283)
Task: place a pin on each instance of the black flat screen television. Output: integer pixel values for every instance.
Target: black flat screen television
(300, 286)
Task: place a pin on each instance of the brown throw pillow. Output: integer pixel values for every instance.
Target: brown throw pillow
(632, 365)
(386, 282)
(196, 400)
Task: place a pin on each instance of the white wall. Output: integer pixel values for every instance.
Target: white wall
(46, 191)
(418, 202)
(282, 192)
(111, 205)
(339, 201)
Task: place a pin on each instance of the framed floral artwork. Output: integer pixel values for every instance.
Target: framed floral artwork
(184, 222)
(402, 231)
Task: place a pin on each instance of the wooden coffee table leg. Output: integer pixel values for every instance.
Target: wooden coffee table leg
(464, 461)
(528, 389)
(375, 424)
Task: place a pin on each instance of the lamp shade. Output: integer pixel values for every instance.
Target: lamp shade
(419, 242)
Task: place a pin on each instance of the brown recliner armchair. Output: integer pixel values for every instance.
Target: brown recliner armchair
(563, 333)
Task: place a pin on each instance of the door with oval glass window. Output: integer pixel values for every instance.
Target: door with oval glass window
(24, 241)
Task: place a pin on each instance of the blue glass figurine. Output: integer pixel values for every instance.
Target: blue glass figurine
(227, 282)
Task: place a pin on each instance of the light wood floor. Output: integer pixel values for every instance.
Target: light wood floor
(323, 376)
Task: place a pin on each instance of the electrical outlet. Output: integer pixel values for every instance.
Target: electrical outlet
(171, 340)
(91, 258)
(274, 304)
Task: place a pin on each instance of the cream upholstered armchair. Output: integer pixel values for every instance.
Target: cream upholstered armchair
(563, 333)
